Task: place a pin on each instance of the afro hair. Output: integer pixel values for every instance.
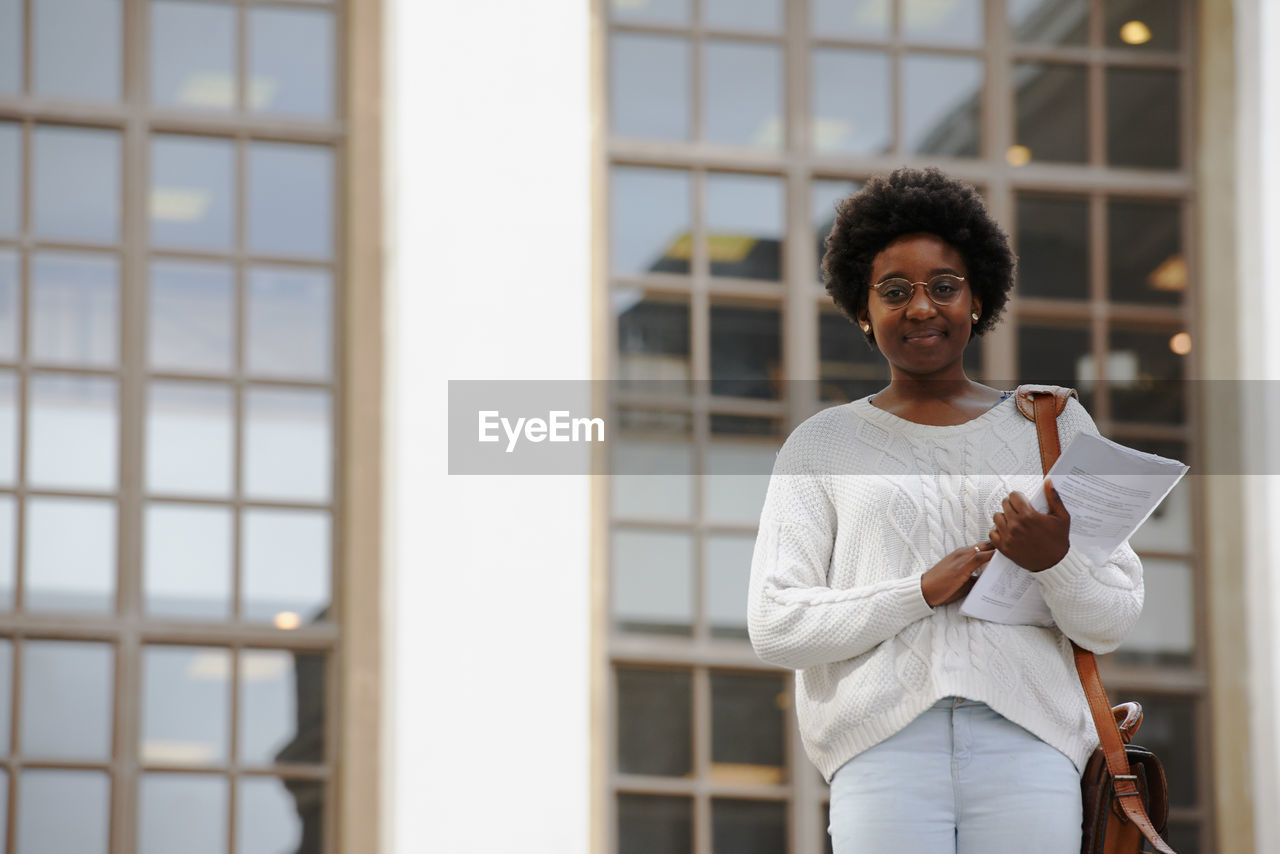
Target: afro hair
(917, 201)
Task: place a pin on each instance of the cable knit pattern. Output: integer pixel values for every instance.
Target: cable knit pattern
(861, 503)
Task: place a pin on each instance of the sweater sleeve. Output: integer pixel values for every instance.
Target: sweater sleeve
(795, 618)
(1094, 605)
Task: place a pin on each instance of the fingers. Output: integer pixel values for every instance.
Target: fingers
(1019, 504)
(1056, 507)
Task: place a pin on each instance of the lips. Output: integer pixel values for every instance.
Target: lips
(924, 335)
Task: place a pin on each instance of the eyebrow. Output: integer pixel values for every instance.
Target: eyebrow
(936, 271)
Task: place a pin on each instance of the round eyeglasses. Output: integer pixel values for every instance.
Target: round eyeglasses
(897, 292)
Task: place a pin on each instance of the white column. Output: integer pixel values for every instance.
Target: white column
(488, 250)
(1258, 180)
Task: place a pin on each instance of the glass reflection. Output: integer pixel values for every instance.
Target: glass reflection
(745, 216)
(193, 54)
(76, 184)
(182, 812)
(743, 14)
(8, 543)
(742, 93)
(75, 309)
(71, 432)
(652, 465)
(63, 811)
(1145, 376)
(10, 171)
(1053, 246)
(850, 19)
(650, 11)
(70, 573)
(739, 459)
(290, 197)
(80, 60)
(285, 564)
(651, 587)
(1144, 256)
(1146, 24)
(190, 437)
(191, 192)
(289, 324)
(8, 427)
(653, 341)
(186, 701)
(1169, 731)
(955, 22)
(649, 86)
(279, 815)
(650, 221)
(12, 55)
(651, 823)
(290, 61)
(848, 367)
(655, 727)
(1057, 355)
(1144, 116)
(1052, 111)
(191, 317)
(855, 119)
(281, 707)
(10, 294)
(1168, 528)
(748, 827)
(1165, 633)
(727, 562)
(1050, 22)
(746, 351)
(942, 105)
(6, 695)
(187, 561)
(66, 700)
(824, 196)
(288, 450)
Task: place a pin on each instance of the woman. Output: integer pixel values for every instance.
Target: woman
(937, 733)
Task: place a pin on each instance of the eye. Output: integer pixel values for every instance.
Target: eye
(946, 285)
(894, 290)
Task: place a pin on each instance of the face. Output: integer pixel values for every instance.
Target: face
(921, 338)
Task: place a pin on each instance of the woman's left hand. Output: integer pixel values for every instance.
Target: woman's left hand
(1033, 540)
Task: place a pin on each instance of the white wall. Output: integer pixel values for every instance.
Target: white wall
(488, 277)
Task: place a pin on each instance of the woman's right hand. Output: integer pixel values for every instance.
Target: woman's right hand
(951, 578)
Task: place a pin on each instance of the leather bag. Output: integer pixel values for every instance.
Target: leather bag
(1123, 788)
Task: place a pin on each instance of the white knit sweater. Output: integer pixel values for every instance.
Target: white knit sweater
(861, 503)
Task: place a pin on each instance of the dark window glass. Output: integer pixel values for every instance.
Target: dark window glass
(823, 198)
(1052, 111)
(748, 827)
(649, 86)
(653, 343)
(1053, 246)
(1056, 355)
(942, 105)
(1143, 118)
(848, 367)
(1148, 24)
(649, 824)
(282, 707)
(275, 815)
(1169, 731)
(1064, 22)
(745, 226)
(655, 732)
(747, 726)
(1145, 377)
(1144, 258)
(746, 351)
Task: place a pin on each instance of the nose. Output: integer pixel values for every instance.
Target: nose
(920, 305)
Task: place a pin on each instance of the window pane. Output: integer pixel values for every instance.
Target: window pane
(745, 215)
(288, 449)
(78, 44)
(824, 196)
(190, 439)
(743, 93)
(851, 119)
(279, 815)
(739, 459)
(1144, 252)
(66, 701)
(10, 167)
(286, 566)
(75, 309)
(650, 221)
(11, 56)
(1056, 355)
(8, 427)
(6, 700)
(76, 189)
(743, 14)
(652, 473)
(187, 561)
(652, 582)
(1053, 247)
(192, 317)
(291, 62)
(282, 697)
(747, 727)
(71, 432)
(649, 86)
(1143, 118)
(1168, 528)
(191, 185)
(653, 342)
(193, 55)
(848, 367)
(1145, 376)
(63, 811)
(1169, 731)
(1148, 24)
(655, 734)
(8, 544)
(727, 562)
(648, 824)
(1165, 633)
(852, 19)
(746, 351)
(289, 323)
(942, 105)
(1063, 22)
(10, 295)
(650, 11)
(290, 199)
(1052, 111)
(954, 22)
(748, 827)
(182, 812)
(70, 573)
(186, 705)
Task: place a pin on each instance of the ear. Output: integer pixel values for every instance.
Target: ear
(976, 302)
(864, 321)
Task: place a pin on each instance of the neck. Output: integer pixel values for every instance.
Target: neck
(913, 389)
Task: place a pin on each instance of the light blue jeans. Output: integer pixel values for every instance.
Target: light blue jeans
(959, 779)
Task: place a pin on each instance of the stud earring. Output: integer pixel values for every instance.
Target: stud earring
(866, 328)
(974, 316)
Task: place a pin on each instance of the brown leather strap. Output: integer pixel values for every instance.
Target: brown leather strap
(1045, 403)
